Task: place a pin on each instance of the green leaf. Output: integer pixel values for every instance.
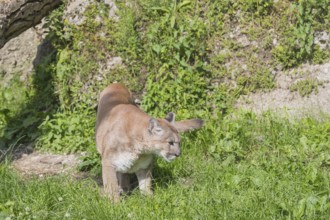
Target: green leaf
(312, 174)
(183, 63)
(172, 21)
(213, 148)
(29, 121)
(230, 159)
(300, 209)
(160, 9)
(156, 48)
(303, 141)
(184, 4)
(8, 95)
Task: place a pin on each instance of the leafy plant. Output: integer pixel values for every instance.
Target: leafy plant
(91, 162)
(258, 7)
(173, 11)
(55, 25)
(319, 55)
(306, 87)
(69, 131)
(298, 42)
(20, 110)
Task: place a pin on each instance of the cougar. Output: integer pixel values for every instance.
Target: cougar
(128, 138)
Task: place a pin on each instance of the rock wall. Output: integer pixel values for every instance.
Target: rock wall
(18, 54)
(21, 53)
(16, 16)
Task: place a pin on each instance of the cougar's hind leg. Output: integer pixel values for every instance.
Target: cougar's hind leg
(124, 182)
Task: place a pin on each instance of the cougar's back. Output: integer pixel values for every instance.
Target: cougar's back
(113, 95)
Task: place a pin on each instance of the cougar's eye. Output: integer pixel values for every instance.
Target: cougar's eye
(171, 143)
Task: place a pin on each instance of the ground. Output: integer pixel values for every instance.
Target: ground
(281, 98)
(30, 163)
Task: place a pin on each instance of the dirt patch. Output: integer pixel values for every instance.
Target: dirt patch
(45, 164)
(282, 99)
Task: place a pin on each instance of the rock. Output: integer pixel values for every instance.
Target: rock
(42, 164)
(18, 16)
(113, 62)
(113, 8)
(74, 11)
(283, 81)
(274, 42)
(22, 53)
(18, 54)
(243, 41)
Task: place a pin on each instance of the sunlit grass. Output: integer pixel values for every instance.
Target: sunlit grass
(240, 167)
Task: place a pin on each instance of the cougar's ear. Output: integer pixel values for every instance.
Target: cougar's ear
(170, 117)
(187, 125)
(154, 127)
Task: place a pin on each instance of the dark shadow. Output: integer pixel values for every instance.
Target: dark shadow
(22, 129)
(162, 176)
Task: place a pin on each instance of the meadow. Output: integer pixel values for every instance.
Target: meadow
(242, 166)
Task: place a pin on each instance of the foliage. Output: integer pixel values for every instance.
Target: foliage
(258, 7)
(10, 102)
(55, 26)
(319, 55)
(91, 162)
(297, 45)
(24, 103)
(173, 52)
(78, 80)
(67, 132)
(77, 67)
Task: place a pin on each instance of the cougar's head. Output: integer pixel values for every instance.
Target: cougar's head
(164, 135)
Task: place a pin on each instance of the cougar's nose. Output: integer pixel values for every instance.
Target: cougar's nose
(178, 153)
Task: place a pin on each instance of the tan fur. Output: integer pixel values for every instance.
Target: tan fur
(127, 138)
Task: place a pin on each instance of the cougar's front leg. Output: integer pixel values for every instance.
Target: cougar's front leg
(144, 177)
(110, 181)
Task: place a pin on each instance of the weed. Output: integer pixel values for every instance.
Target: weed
(258, 7)
(320, 56)
(306, 87)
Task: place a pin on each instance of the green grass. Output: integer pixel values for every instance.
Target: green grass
(242, 166)
(306, 87)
